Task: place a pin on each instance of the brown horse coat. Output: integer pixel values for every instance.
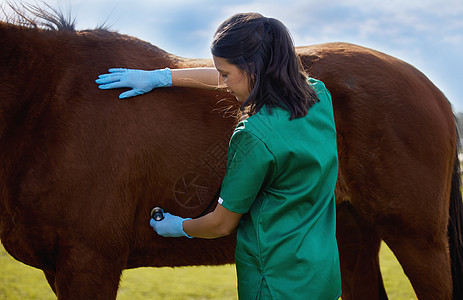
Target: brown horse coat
(80, 169)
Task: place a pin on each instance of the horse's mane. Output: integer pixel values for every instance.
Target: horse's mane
(35, 16)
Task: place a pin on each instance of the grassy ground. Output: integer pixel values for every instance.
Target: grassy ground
(18, 281)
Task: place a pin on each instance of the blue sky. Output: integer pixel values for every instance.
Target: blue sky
(427, 34)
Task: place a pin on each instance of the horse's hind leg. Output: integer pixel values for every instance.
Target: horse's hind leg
(359, 246)
(426, 263)
(82, 273)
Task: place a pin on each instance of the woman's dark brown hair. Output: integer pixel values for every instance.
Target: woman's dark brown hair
(264, 49)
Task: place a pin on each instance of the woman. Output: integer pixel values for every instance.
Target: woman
(282, 162)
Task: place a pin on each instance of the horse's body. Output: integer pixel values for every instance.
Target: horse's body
(80, 169)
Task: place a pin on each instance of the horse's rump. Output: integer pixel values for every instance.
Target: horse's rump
(396, 145)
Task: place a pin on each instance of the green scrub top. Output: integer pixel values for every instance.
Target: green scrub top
(281, 176)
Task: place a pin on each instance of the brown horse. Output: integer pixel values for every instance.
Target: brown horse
(80, 170)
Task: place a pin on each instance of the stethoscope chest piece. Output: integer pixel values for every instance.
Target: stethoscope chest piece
(157, 213)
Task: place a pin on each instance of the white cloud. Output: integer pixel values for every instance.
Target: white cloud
(456, 40)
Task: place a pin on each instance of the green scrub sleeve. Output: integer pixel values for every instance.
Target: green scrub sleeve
(250, 167)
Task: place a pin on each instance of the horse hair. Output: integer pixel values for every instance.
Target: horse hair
(455, 227)
(46, 17)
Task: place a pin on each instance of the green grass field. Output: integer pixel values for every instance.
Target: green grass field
(18, 281)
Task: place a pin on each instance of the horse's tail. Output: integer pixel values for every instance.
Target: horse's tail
(455, 230)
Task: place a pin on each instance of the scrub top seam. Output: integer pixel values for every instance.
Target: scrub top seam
(266, 146)
(259, 228)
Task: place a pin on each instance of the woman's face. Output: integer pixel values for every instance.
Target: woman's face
(234, 78)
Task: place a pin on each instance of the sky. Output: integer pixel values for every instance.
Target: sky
(427, 34)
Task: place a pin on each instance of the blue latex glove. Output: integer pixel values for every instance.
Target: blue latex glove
(140, 81)
(170, 226)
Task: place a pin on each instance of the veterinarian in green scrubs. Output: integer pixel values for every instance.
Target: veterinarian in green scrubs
(281, 176)
(282, 165)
